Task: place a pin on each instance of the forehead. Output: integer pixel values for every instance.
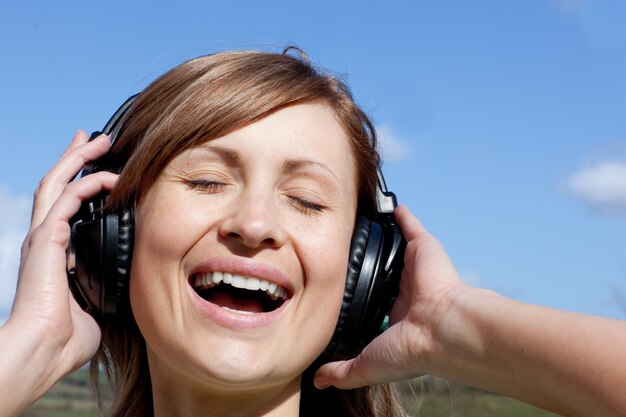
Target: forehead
(307, 134)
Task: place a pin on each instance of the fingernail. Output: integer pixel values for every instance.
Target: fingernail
(104, 138)
(97, 135)
(320, 383)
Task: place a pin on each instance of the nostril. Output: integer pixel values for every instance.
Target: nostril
(269, 241)
(252, 243)
(252, 238)
(253, 228)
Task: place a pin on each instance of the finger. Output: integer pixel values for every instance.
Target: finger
(53, 184)
(410, 225)
(354, 373)
(89, 330)
(375, 365)
(49, 241)
(335, 374)
(78, 191)
(80, 138)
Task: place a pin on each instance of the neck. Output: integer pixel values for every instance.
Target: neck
(174, 395)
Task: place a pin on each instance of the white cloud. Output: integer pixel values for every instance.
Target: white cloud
(570, 6)
(602, 187)
(391, 147)
(600, 22)
(14, 219)
(14, 210)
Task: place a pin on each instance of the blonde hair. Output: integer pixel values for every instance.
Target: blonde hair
(206, 98)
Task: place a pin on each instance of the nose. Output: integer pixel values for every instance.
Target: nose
(253, 223)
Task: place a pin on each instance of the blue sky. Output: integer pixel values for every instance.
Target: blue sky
(503, 123)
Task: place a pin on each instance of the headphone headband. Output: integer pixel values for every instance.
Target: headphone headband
(114, 125)
(386, 201)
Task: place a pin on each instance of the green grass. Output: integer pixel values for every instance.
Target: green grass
(71, 397)
(433, 397)
(424, 397)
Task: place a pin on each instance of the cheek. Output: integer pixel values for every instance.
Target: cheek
(157, 249)
(148, 285)
(165, 229)
(325, 273)
(156, 273)
(324, 250)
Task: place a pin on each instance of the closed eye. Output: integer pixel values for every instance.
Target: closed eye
(306, 206)
(204, 185)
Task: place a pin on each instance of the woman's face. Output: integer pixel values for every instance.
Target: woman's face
(241, 251)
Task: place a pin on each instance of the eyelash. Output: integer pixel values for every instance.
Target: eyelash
(305, 206)
(204, 185)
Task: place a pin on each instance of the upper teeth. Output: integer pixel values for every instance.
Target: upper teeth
(206, 280)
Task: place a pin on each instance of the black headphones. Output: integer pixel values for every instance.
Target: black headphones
(101, 248)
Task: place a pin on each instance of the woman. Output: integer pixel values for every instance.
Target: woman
(237, 166)
(275, 187)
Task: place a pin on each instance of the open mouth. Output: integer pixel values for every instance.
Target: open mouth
(244, 295)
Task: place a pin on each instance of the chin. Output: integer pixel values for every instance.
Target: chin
(223, 334)
(225, 363)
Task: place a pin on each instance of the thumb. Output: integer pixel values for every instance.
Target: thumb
(389, 357)
(342, 374)
(374, 365)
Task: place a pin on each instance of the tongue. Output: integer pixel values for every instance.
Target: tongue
(241, 303)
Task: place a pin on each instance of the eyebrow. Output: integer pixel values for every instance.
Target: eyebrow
(228, 155)
(292, 165)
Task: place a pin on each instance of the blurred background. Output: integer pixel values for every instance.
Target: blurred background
(502, 124)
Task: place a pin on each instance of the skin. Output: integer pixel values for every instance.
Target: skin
(572, 364)
(47, 334)
(279, 193)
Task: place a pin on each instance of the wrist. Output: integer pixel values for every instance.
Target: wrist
(457, 331)
(30, 366)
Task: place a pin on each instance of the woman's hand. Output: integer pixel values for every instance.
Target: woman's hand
(48, 335)
(428, 285)
(568, 363)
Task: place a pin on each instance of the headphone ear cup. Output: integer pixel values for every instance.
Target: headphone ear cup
(116, 275)
(372, 280)
(346, 334)
(102, 245)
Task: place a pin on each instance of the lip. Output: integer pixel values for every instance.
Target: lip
(249, 268)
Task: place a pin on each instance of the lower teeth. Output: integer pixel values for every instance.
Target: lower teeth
(238, 311)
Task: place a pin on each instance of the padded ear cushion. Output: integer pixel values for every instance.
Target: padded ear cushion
(119, 236)
(125, 236)
(102, 242)
(358, 248)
